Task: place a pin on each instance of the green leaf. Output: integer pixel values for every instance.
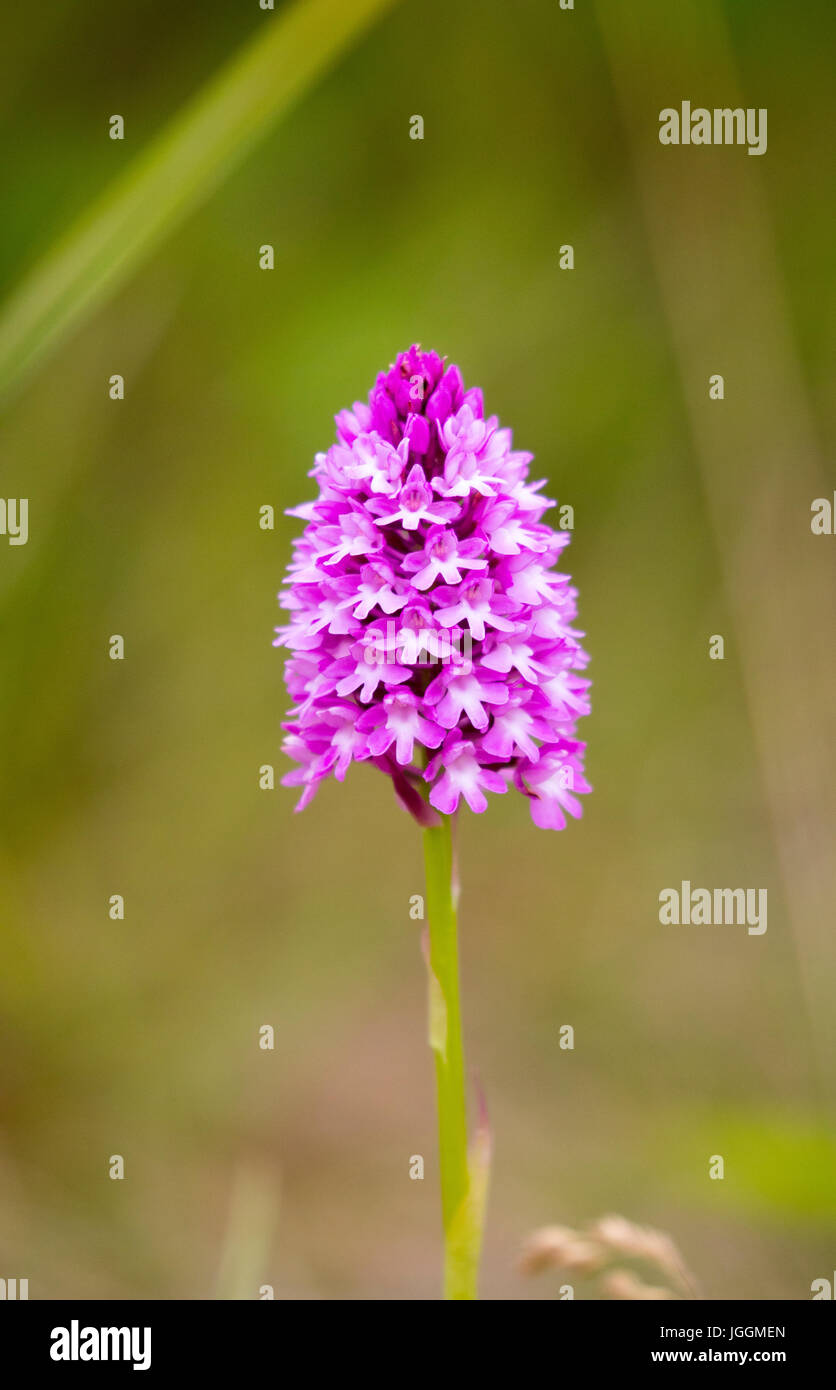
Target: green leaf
(174, 175)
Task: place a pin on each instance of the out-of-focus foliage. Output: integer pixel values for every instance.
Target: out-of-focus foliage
(140, 1037)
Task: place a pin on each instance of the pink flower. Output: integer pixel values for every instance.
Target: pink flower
(467, 694)
(443, 557)
(463, 776)
(366, 672)
(474, 603)
(425, 612)
(415, 503)
(402, 724)
(378, 588)
(551, 783)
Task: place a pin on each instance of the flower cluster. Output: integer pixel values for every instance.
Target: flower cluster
(429, 631)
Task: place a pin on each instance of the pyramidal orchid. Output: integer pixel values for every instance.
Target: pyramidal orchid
(431, 635)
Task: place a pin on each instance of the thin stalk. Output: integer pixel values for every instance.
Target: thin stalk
(461, 1242)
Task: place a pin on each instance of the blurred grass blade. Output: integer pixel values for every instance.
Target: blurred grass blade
(250, 1230)
(173, 175)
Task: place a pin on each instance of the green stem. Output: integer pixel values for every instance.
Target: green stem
(460, 1264)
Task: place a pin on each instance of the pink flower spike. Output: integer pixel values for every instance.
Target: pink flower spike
(424, 607)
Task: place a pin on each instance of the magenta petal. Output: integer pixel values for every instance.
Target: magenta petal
(445, 797)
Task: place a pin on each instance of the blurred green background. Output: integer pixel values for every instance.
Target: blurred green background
(245, 1167)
